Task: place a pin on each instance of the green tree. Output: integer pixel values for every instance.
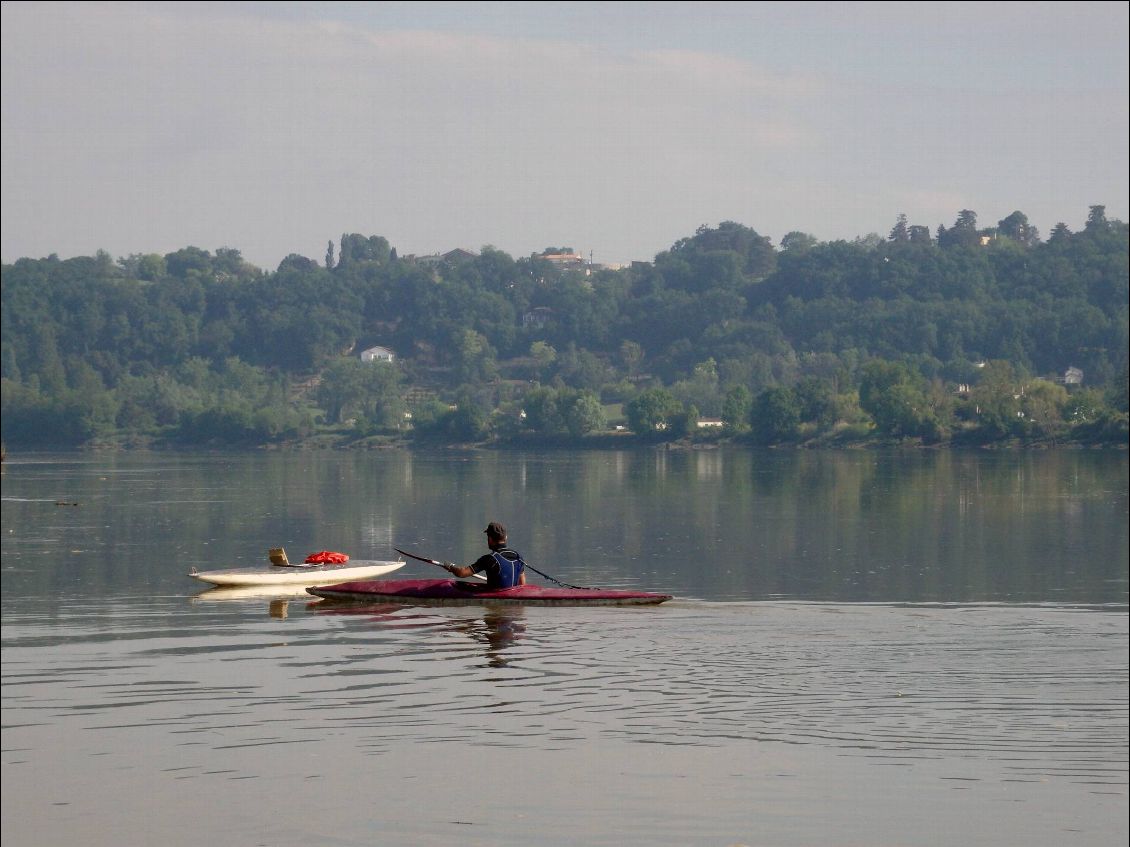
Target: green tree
(736, 408)
(774, 416)
(467, 423)
(896, 399)
(342, 389)
(963, 233)
(355, 249)
(996, 400)
(816, 399)
(188, 261)
(651, 411)
(544, 356)
(755, 252)
(684, 423)
(1096, 220)
(295, 262)
(1084, 406)
(475, 358)
(584, 414)
(702, 389)
(543, 415)
(631, 356)
(48, 364)
(900, 233)
(149, 266)
(1060, 234)
(1016, 227)
(797, 242)
(370, 390)
(426, 416)
(582, 369)
(1042, 405)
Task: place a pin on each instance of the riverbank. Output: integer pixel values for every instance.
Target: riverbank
(845, 439)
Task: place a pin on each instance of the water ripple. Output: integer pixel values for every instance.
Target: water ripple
(1034, 690)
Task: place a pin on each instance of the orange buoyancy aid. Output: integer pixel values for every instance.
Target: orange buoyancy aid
(326, 557)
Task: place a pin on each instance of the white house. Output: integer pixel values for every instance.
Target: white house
(377, 354)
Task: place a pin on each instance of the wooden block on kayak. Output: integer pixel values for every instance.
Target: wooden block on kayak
(278, 556)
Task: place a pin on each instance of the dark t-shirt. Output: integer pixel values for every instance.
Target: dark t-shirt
(496, 578)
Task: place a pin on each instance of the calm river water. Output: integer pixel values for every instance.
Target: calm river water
(864, 649)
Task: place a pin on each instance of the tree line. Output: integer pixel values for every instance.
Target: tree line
(964, 334)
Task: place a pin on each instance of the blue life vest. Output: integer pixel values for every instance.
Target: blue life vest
(509, 570)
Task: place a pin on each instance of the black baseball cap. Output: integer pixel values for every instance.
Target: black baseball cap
(495, 530)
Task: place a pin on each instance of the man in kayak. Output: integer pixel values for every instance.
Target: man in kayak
(502, 566)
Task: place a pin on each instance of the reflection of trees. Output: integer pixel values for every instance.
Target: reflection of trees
(931, 526)
(850, 525)
(905, 525)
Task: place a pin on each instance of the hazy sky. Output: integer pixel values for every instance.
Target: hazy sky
(615, 128)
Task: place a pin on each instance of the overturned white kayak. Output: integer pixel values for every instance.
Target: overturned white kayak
(354, 569)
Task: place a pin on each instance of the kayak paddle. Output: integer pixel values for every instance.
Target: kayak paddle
(435, 562)
(479, 576)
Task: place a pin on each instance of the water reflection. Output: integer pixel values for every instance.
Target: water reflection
(715, 525)
(496, 629)
(252, 592)
(995, 713)
(278, 597)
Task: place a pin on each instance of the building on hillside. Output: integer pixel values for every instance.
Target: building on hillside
(1071, 376)
(417, 396)
(565, 258)
(377, 354)
(536, 317)
(450, 257)
(458, 255)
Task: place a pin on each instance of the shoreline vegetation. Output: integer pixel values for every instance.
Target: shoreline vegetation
(602, 442)
(843, 437)
(967, 337)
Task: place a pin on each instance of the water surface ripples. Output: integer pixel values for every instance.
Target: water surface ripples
(1031, 689)
(900, 648)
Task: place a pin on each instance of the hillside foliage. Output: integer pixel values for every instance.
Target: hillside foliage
(961, 335)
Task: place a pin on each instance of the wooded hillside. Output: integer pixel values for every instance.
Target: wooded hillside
(967, 333)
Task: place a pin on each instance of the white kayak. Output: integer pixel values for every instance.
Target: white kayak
(253, 592)
(354, 569)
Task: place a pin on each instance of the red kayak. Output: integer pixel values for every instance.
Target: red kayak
(450, 592)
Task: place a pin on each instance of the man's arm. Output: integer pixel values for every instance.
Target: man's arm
(458, 570)
(464, 571)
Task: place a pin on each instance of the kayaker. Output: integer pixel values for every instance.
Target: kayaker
(502, 566)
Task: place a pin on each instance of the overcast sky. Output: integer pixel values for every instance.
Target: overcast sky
(613, 128)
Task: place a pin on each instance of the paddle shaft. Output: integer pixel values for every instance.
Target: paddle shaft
(418, 558)
(435, 562)
(479, 576)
